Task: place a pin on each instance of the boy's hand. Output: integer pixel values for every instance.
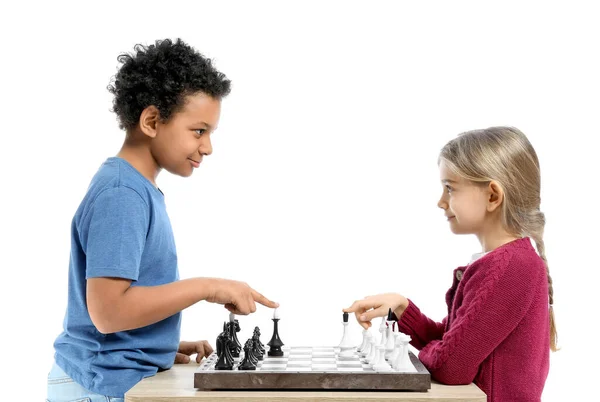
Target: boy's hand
(377, 306)
(186, 349)
(237, 297)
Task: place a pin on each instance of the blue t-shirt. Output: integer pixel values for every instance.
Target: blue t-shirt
(121, 229)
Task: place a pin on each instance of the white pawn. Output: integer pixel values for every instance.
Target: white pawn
(365, 351)
(381, 364)
(397, 348)
(346, 346)
(382, 330)
(372, 353)
(363, 345)
(377, 355)
(403, 362)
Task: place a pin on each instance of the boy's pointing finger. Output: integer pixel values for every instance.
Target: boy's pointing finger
(259, 298)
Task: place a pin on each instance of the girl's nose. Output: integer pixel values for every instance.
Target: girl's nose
(442, 204)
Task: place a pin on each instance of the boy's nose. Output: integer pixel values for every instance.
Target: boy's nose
(206, 146)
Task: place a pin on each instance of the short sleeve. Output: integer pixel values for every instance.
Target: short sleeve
(117, 227)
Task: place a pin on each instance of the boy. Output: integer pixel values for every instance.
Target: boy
(125, 297)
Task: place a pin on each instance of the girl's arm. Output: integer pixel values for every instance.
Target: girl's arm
(495, 300)
(421, 329)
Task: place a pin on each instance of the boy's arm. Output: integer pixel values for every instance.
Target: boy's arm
(113, 237)
(421, 329)
(115, 306)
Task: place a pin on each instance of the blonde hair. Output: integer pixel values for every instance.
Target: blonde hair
(505, 155)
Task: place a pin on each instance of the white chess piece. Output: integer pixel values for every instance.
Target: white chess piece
(364, 341)
(372, 353)
(382, 330)
(368, 340)
(346, 346)
(377, 355)
(403, 362)
(397, 348)
(389, 344)
(381, 364)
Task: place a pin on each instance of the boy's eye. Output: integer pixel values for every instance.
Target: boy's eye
(200, 131)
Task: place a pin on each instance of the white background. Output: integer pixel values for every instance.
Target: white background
(323, 184)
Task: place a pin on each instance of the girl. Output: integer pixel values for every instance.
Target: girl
(500, 304)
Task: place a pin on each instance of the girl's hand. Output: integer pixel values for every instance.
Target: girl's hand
(186, 349)
(377, 306)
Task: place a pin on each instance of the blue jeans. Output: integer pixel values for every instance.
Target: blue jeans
(62, 388)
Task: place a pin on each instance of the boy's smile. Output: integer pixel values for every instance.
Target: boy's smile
(181, 143)
(195, 163)
(177, 145)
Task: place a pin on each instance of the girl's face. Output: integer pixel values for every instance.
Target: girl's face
(182, 142)
(464, 202)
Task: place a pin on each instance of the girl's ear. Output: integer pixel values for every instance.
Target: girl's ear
(148, 120)
(495, 196)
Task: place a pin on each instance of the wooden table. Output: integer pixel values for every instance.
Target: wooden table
(176, 385)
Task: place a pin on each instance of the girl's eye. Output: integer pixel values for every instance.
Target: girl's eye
(448, 188)
(200, 131)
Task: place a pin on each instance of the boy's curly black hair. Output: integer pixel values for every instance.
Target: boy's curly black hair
(162, 74)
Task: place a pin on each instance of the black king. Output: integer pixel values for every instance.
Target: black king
(275, 343)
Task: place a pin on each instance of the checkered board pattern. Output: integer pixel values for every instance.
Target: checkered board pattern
(311, 368)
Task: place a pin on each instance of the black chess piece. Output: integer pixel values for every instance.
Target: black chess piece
(391, 315)
(256, 334)
(247, 363)
(228, 356)
(275, 343)
(220, 344)
(237, 329)
(235, 347)
(225, 360)
(253, 354)
(256, 348)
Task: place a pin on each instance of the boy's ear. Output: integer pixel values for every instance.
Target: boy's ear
(148, 121)
(495, 196)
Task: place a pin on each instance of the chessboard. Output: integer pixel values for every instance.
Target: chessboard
(314, 368)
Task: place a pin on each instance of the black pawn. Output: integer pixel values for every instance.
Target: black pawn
(247, 363)
(275, 343)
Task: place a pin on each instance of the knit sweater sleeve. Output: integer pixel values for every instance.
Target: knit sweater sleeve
(496, 297)
(421, 329)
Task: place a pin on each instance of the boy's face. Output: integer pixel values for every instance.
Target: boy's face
(464, 202)
(182, 142)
